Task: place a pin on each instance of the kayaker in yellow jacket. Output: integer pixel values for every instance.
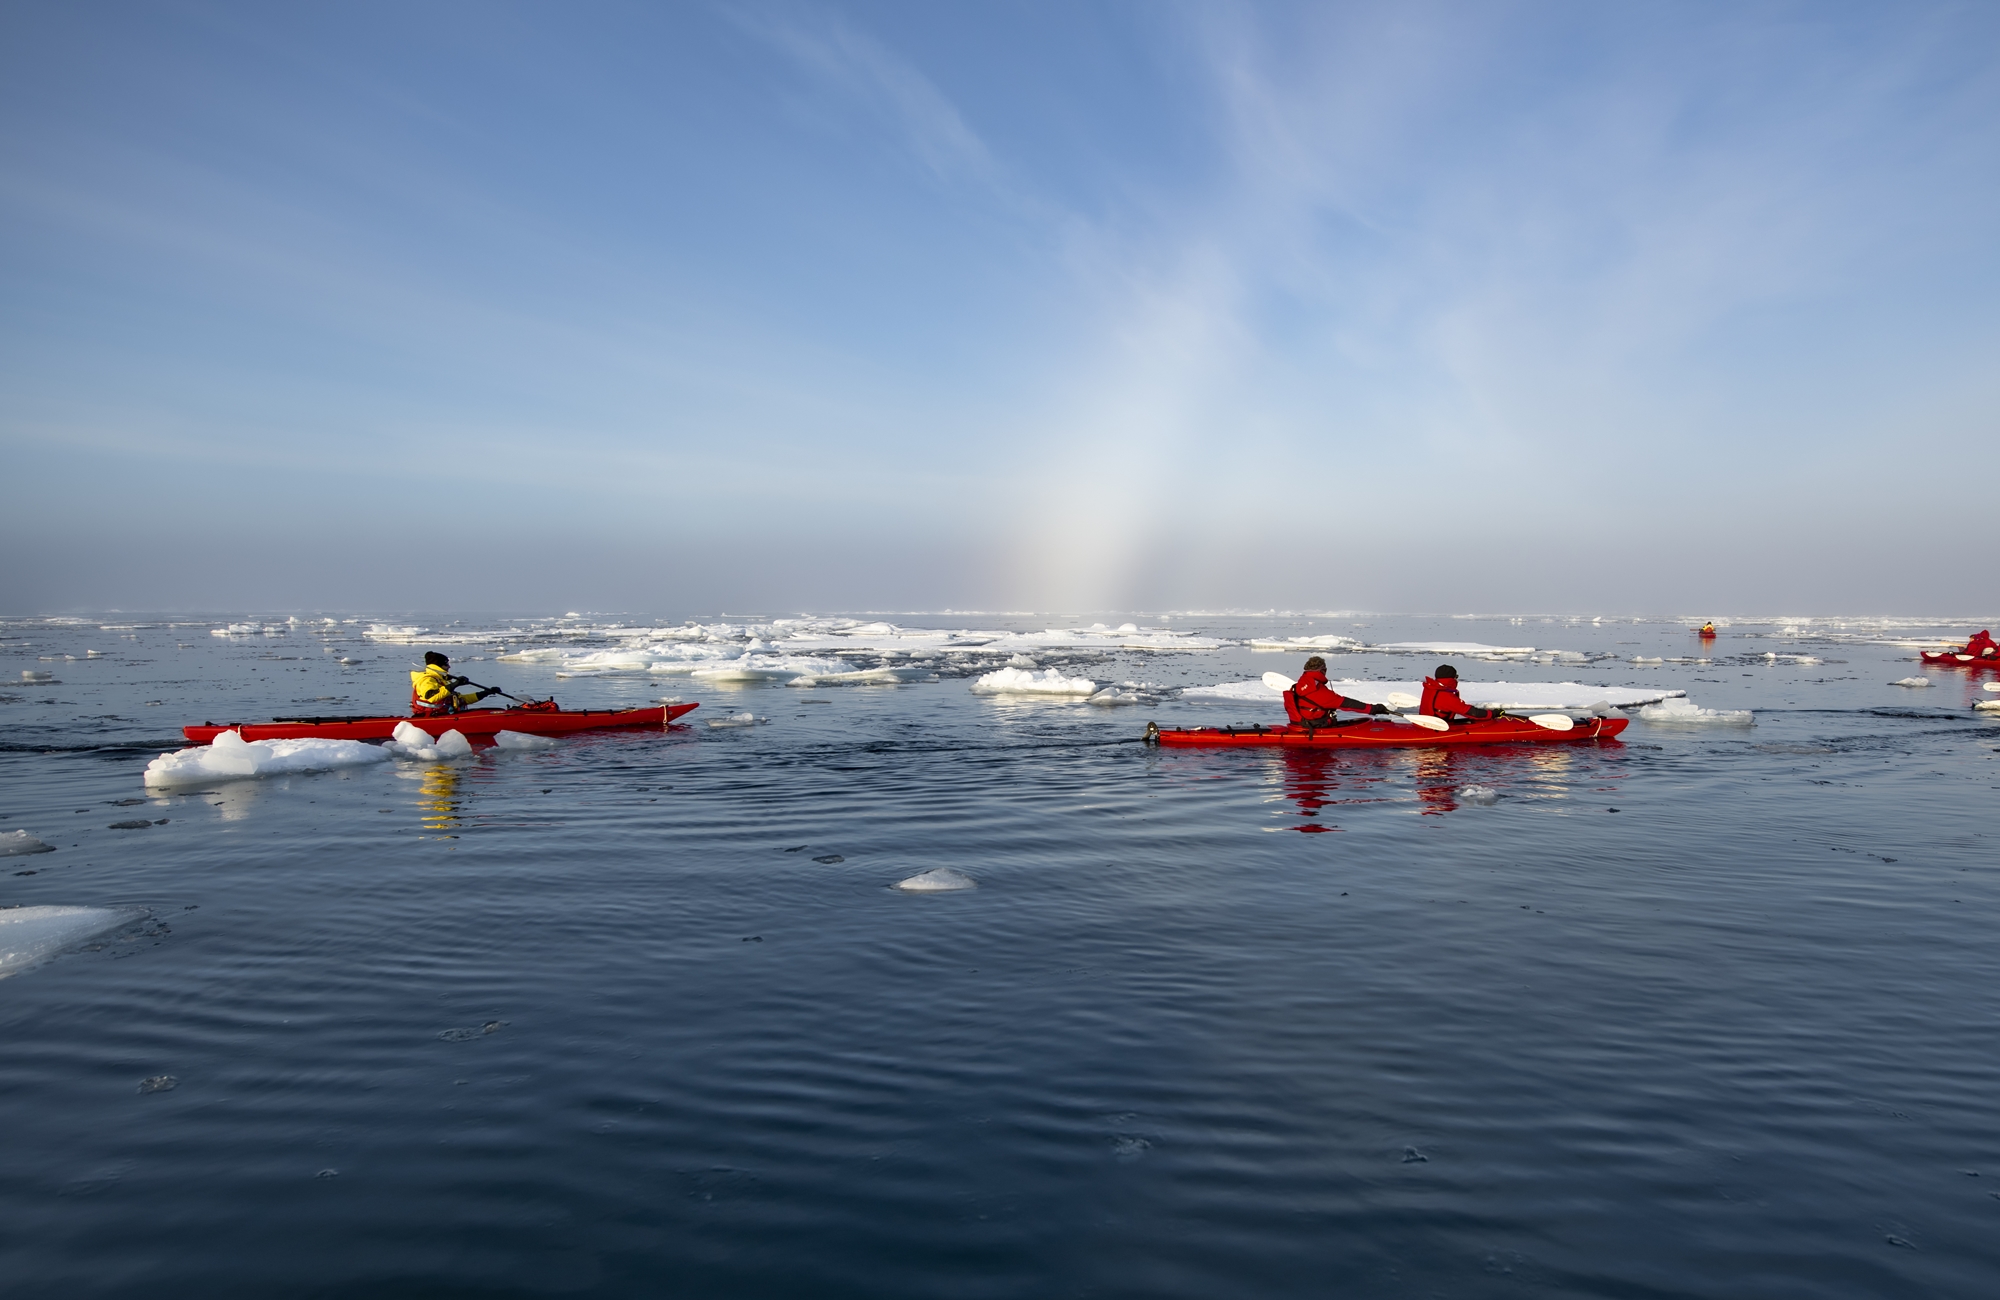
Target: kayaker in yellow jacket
(435, 690)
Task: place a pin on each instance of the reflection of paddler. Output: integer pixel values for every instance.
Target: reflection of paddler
(437, 797)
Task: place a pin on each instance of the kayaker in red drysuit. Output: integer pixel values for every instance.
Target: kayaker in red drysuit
(434, 689)
(1441, 699)
(1981, 644)
(1311, 702)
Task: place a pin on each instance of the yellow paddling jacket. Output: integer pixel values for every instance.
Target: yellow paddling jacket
(430, 692)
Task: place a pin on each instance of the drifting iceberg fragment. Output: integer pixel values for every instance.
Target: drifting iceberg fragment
(1020, 681)
(1911, 681)
(15, 843)
(938, 880)
(28, 934)
(1685, 711)
(229, 755)
(414, 742)
(522, 740)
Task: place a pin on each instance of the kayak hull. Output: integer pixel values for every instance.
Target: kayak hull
(1377, 734)
(470, 723)
(1947, 659)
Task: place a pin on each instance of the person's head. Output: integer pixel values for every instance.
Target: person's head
(1315, 665)
(1446, 672)
(432, 659)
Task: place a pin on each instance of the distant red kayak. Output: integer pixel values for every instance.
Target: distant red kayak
(1953, 659)
(470, 723)
(1377, 734)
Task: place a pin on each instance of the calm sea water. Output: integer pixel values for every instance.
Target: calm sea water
(1711, 1012)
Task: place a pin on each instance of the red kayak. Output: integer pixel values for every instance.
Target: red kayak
(1376, 734)
(1954, 659)
(545, 720)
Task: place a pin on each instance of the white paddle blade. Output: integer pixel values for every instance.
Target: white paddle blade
(1400, 700)
(1552, 721)
(1427, 722)
(1992, 686)
(1277, 681)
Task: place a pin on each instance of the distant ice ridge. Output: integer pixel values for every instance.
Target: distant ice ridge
(1306, 643)
(1505, 695)
(1454, 648)
(1686, 711)
(1021, 681)
(28, 934)
(412, 741)
(229, 755)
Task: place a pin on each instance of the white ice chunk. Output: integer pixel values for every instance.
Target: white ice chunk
(1684, 711)
(229, 755)
(522, 740)
(1986, 705)
(28, 934)
(1483, 795)
(15, 843)
(1022, 661)
(737, 720)
(938, 880)
(412, 741)
(1019, 681)
(1520, 696)
(1911, 681)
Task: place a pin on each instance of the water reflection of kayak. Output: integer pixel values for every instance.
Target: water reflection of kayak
(1380, 734)
(544, 721)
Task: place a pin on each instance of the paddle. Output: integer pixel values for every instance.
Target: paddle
(1396, 703)
(493, 690)
(1546, 721)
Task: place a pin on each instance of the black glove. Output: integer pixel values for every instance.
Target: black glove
(488, 691)
(461, 681)
(1376, 710)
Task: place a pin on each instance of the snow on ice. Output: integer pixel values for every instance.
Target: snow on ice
(1020, 681)
(1687, 712)
(229, 755)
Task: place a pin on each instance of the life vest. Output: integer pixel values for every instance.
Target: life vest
(1441, 699)
(431, 692)
(1312, 702)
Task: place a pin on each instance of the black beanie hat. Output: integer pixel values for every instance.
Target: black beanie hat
(1445, 670)
(433, 657)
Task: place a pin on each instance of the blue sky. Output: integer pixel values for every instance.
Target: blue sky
(1034, 306)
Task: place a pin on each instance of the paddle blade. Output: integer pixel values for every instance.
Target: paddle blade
(1427, 722)
(1992, 686)
(1552, 721)
(1277, 681)
(1400, 700)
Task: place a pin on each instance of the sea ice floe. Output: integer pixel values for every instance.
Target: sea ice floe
(1127, 693)
(861, 677)
(1505, 695)
(1484, 796)
(28, 934)
(412, 741)
(1453, 648)
(1020, 681)
(1305, 643)
(14, 844)
(938, 880)
(737, 720)
(522, 740)
(768, 667)
(1685, 711)
(1911, 681)
(229, 755)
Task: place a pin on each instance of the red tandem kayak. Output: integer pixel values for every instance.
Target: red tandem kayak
(1953, 659)
(1377, 734)
(470, 723)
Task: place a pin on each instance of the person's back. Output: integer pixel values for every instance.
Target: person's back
(1981, 644)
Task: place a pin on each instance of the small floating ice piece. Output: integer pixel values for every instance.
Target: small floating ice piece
(1482, 795)
(938, 880)
(1911, 681)
(229, 755)
(522, 740)
(1684, 711)
(737, 720)
(13, 844)
(1019, 681)
(28, 934)
(414, 742)
(30, 675)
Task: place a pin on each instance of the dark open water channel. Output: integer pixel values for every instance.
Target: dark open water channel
(1736, 1038)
